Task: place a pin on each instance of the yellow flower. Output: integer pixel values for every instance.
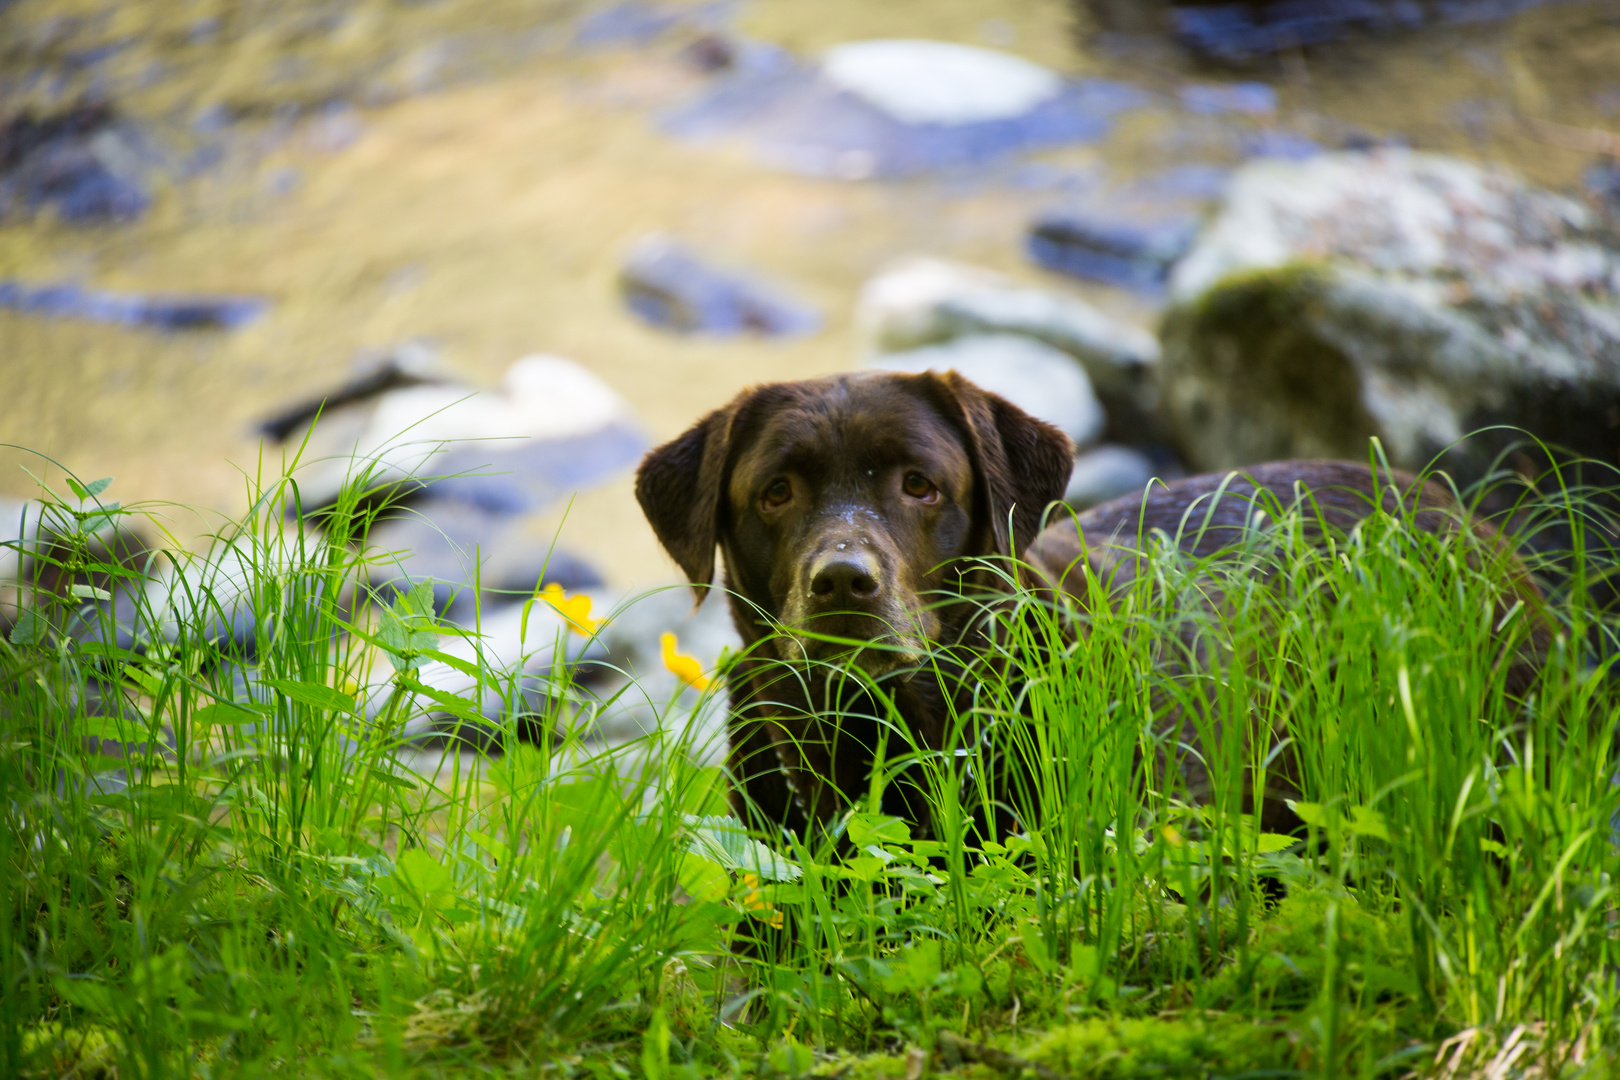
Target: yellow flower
(575, 610)
(1171, 836)
(686, 668)
(755, 904)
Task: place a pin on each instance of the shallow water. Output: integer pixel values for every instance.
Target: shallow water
(457, 171)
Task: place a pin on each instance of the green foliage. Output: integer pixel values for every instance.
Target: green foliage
(210, 869)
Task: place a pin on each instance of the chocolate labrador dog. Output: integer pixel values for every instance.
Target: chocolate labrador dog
(845, 508)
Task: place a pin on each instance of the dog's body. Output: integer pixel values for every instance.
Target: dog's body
(846, 507)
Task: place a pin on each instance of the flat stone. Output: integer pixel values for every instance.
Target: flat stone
(158, 312)
(1044, 382)
(670, 287)
(938, 82)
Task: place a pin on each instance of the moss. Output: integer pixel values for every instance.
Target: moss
(1183, 1047)
(1247, 377)
(57, 1050)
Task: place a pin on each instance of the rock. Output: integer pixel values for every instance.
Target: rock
(84, 162)
(937, 82)
(1107, 472)
(1246, 31)
(411, 363)
(1406, 296)
(634, 650)
(215, 596)
(1039, 379)
(897, 108)
(670, 287)
(441, 540)
(158, 312)
(920, 302)
(551, 428)
(1132, 250)
(1603, 183)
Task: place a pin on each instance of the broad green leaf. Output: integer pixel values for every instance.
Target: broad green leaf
(453, 703)
(226, 713)
(865, 867)
(425, 878)
(497, 848)
(77, 488)
(89, 592)
(124, 729)
(1272, 842)
(466, 667)
(1035, 947)
(702, 879)
(1310, 813)
(30, 629)
(726, 841)
(96, 487)
(315, 695)
(878, 829)
(1365, 821)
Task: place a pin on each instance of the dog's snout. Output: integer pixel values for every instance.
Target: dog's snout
(846, 579)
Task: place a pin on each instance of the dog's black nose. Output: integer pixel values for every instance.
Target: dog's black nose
(845, 581)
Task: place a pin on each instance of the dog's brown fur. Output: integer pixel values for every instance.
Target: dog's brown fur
(845, 507)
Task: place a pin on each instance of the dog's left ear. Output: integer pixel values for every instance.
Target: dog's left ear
(679, 488)
(1023, 463)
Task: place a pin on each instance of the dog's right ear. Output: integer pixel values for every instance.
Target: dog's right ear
(679, 486)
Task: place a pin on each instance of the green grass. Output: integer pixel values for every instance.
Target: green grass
(279, 893)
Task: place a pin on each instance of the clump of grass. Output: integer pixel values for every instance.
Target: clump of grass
(214, 865)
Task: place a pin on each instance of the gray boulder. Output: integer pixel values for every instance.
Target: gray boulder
(1037, 378)
(1411, 297)
(921, 302)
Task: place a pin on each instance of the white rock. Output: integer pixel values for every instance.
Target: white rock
(936, 82)
(541, 397)
(924, 301)
(1039, 379)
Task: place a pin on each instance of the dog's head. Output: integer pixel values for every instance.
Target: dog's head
(843, 506)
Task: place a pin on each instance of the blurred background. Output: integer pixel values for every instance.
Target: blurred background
(1194, 235)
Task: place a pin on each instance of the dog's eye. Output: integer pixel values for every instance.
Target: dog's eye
(777, 494)
(919, 486)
